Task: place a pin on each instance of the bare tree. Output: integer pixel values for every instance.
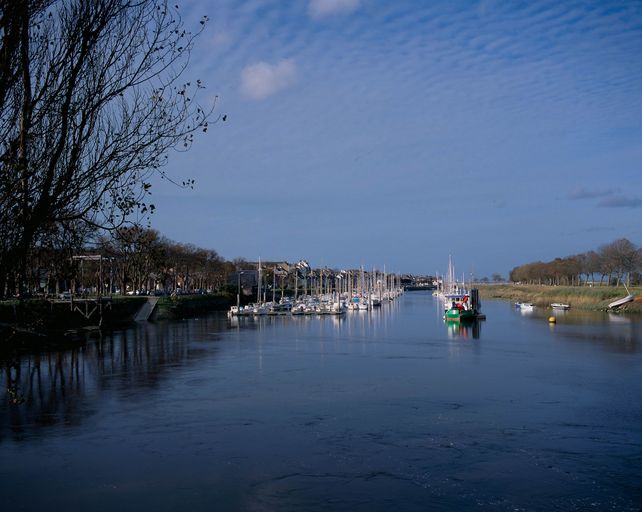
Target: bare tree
(593, 264)
(90, 104)
(137, 253)
(620, 258)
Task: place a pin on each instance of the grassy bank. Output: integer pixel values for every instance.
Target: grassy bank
(579, 297)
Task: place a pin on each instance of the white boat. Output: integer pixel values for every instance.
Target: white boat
(558, 305)
(259, 309)
(623, 300)
(298, 309)
(619, 302)
(338, 308)
(524, 306)
(358, 303)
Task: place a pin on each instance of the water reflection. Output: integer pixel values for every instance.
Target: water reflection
(463, 330)
(59, 389)
(351, 413)
(615, 332)
(375, 323)
(614, 336)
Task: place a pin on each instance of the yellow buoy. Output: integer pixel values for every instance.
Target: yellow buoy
(552, 319)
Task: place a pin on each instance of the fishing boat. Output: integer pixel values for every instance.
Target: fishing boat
(524, 306)
(463, 307)
(460, 311)
(459, 304)
(560, 306)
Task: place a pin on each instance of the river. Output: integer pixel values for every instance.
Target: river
(384, 410)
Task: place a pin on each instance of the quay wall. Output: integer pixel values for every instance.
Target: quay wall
(40, 320)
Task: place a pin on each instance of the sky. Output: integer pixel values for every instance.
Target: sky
(397, 133)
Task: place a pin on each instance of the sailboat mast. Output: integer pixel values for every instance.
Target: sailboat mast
(260, 283)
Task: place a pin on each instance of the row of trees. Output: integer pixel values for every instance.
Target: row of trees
(130, 259)
(139, 260)
(614, 262)
(91, 102)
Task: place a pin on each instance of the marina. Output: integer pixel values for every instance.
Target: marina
(335, 294)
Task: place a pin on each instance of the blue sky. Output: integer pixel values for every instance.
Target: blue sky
(370, 132)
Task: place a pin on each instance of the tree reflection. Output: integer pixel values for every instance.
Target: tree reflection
(61, 389)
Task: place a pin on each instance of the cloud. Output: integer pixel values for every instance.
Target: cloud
(260, 80)
(597, 229)
(608, 197)
(322, 8)
(620, 201)
(584, 193)
(220, 39)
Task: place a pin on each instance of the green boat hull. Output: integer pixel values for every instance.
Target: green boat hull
(466, 315)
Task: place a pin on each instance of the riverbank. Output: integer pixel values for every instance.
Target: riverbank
(40, 322)
(596, 298)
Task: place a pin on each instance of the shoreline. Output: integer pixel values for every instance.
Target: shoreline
(40, 323)
(595, 298)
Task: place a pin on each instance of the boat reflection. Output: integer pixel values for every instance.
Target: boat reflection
(463, 330)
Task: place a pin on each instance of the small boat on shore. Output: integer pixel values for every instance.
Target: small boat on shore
(560, 306)
(623, 300)
(620, 302)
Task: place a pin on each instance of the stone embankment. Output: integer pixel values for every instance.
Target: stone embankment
(43, 321)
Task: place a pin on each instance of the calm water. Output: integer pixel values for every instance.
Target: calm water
(389, 410)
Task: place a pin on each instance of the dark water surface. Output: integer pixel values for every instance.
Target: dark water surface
(388, 410)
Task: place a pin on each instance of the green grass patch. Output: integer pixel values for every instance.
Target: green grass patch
(580, 297)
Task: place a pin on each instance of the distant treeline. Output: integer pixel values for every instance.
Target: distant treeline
(612, 263)
(135, 260)
(129, 259)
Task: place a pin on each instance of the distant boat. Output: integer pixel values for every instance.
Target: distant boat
(524, 306)
(558, 305)
(623, 300)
